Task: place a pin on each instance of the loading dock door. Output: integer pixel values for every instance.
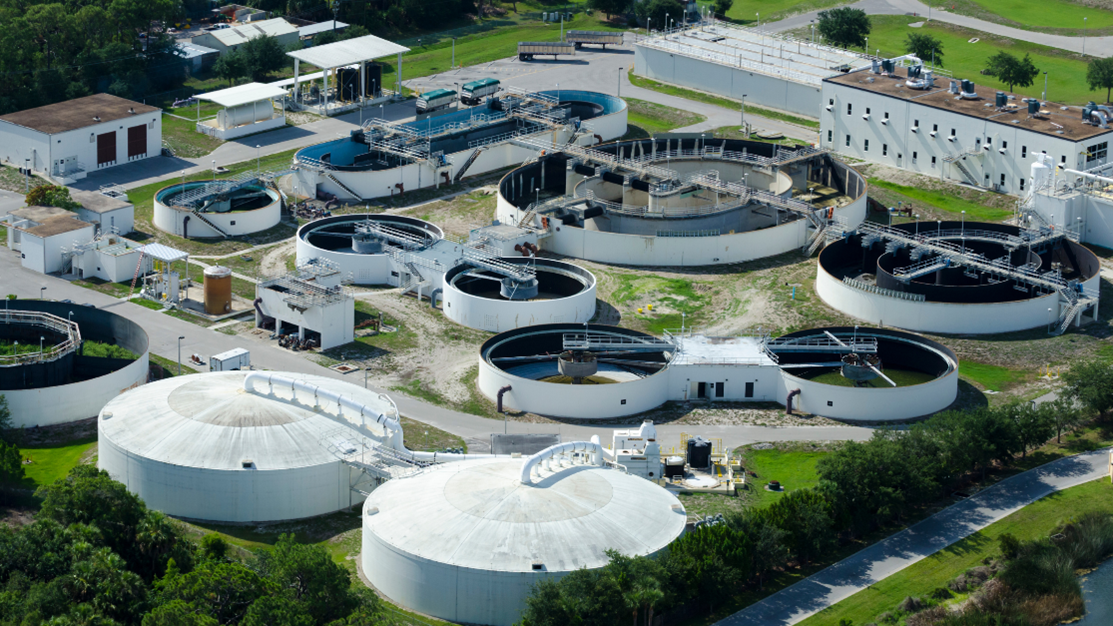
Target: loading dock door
(137, 141)
(106, 149)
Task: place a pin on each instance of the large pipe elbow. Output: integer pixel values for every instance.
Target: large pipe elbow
(595, 448)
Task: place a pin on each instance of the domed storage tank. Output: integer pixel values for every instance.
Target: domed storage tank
(465, 541)
(209, 447)
(218, 290)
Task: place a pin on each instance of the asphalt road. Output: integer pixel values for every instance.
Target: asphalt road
(1094, 46)
(883, 559)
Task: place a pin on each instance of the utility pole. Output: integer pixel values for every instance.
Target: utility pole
(744, 114)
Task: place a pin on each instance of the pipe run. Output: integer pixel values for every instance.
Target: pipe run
(594, 447)
(389, 424)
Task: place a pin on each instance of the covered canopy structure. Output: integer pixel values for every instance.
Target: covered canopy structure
(248, 109)
(164, 285)
(349, 53)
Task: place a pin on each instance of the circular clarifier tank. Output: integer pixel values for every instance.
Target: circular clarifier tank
(542, 291)
(243, 211)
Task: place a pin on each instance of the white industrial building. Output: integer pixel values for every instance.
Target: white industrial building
(902, 114)
(61, 384)
(111, 214)
(1074, 200)
(111, 258)
(602, 372)
(65, 141)
(224, 40)
(465, 541)
(746, 64)
(299, 305)
(492, 282)
(44, 235)
(681, 199)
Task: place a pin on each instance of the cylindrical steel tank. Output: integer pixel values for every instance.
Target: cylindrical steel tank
(674, 466)
(218, 290)
(699, 453)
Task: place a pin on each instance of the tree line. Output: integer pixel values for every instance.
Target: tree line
(97, 556)
(862, 486)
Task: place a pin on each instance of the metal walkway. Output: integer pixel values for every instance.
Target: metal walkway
(598, 342)
(403, 238)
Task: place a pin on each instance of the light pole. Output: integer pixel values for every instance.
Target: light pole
(180, 355)
(257, 148)
(1049, 320)
(1044, 87)
(71, 316)
(1084, 36)
(743, 118)
(813, 31)
(41, 290)
(558, 94)
(214, 170)
(620, 81)
(41, 338)
(26, 176)
(648, 20)
(453, 53)
(666, 24)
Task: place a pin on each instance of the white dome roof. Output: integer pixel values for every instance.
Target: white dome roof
(208, 421)
(477, 514)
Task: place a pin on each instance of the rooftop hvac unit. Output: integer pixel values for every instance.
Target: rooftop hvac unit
(888, 66)
(954, 87)
(1001, 99)
(875, 66)
(1033, 107)
(968, 90)
(914, 71)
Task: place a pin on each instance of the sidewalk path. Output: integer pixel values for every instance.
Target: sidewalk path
(1095, 46)
(852, 574)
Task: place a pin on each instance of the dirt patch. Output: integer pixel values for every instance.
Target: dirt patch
(273, 263)
(46, 436)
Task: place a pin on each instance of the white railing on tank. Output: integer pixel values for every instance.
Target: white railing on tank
(41, 320)
(882, 291)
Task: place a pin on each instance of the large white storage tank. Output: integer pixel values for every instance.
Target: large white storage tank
(209, 447)
(465, 541)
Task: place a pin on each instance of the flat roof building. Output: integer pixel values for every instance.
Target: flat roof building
(227, 39)
(907, 117)
(46, 236)
(68, 139)
(766, 69)
(111, 214)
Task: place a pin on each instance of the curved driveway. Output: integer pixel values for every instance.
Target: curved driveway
(852, 574)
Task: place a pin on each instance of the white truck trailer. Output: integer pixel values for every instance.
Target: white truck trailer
(595, 37)
(529, 49)
(234, 359)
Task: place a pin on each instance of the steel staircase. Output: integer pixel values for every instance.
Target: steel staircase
(341, 185)
(207, 221)
(471, 159)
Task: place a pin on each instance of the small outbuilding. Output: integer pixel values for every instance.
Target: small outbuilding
(197, 57)
(67, 140)
(110, 214)
(226, 40)
(46, 236)
(248, 109)
(306, 309)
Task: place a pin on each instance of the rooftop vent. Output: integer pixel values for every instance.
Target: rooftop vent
(96, 118)
(131, 110)
(538, 567)
(247, 464)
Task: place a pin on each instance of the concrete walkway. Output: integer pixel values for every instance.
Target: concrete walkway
(1094, 46)
(883, 559)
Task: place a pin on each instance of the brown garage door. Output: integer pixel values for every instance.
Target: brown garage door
(106, 148)
(137, 141)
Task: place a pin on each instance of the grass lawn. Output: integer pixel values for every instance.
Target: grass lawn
(116, 290)
(735, 132)
(794, 469)
(670, 297)
(170, 367)
(183, 138)
(902, 378)
(425, 438)
(719, 101)
(1066, 71)
(746, 11)
(50, 463)
(1031, 522)
(946, 202)
(498, 41)
(992, 377)
(652, 118)
(1060, 17)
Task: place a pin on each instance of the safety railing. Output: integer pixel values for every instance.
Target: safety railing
(46, 321)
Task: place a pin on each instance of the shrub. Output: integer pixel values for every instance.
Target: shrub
(1052, 610)
(1010, 546)
(941, 593)
(1041, 569)
(911, 604)
(958, 584)
(887, 618)
(927, 617)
